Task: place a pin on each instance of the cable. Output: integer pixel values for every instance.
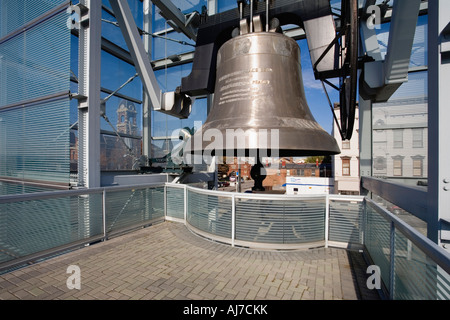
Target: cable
(153, 34)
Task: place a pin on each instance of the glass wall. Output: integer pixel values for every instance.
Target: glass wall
(34, 95)
(400, 125)
(121, 91)
(167, 42)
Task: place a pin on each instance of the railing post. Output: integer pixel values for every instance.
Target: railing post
(391, 263)
(363, 223)
(165, 201)
(233, 219)
(104, 213)
(327, 218)
(185, 204)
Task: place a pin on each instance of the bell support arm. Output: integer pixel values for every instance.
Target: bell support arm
(383, 78)
(172, 103)
(177, 19)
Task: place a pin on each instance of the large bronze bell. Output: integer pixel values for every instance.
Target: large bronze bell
(259, 103)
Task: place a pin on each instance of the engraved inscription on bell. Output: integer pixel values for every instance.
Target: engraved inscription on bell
(245, 85)
(259, 89)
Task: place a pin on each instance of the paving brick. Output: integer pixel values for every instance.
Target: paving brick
(167, 261)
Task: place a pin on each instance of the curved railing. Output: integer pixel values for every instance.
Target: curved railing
(264, 221)
(38, 225)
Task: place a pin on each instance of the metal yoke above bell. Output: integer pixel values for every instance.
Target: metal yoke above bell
(259, 91)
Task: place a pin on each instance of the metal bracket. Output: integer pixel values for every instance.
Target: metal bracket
(445, 229)
(173, 103)
(83, 12)
(176, 104)
(177, 20)
(445, 39)
(382, 78)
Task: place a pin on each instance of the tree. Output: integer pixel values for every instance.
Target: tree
(222, 170)
(319, 159)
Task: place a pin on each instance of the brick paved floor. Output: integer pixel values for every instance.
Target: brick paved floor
(167, 261)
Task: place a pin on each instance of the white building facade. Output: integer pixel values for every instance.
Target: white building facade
(346, 164)
(400, 140)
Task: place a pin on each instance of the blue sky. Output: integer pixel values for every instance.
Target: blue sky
(315, 95)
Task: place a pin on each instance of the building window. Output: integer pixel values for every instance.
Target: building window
(379, 163)
(346, 167)
(417, 166)
(398, 138)
(346, 144)
(398, 167)
(417, 138)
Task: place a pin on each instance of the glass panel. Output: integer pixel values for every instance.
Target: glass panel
(416, 275)
(34, 137)
(131, 208)
(34, 142)
(377, 240)
(16, 13)
(346, 221)
(210, 213)
(36, 62)
(175, 202)
(28, 227)
(400, 132)
(278, 221)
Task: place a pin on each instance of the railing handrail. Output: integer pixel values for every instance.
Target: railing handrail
(248, 195)
(73, 192)
(439, 255)
(84, 191)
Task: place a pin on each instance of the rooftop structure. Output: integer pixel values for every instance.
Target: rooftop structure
(100, 99)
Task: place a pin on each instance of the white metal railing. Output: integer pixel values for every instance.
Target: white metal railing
(412, 266)
(34, 226)
(37, 225)
(261, 220)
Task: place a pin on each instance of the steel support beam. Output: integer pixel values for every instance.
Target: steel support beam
(365, 138)
(89, 89)
(438, 120)
(176, 18)
(146, 103)
(173, 103)
(138, 53)
(410, 198)
(368, 46)
(320, 32)
(383, 78)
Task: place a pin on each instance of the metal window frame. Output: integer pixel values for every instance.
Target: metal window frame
(89, 91)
